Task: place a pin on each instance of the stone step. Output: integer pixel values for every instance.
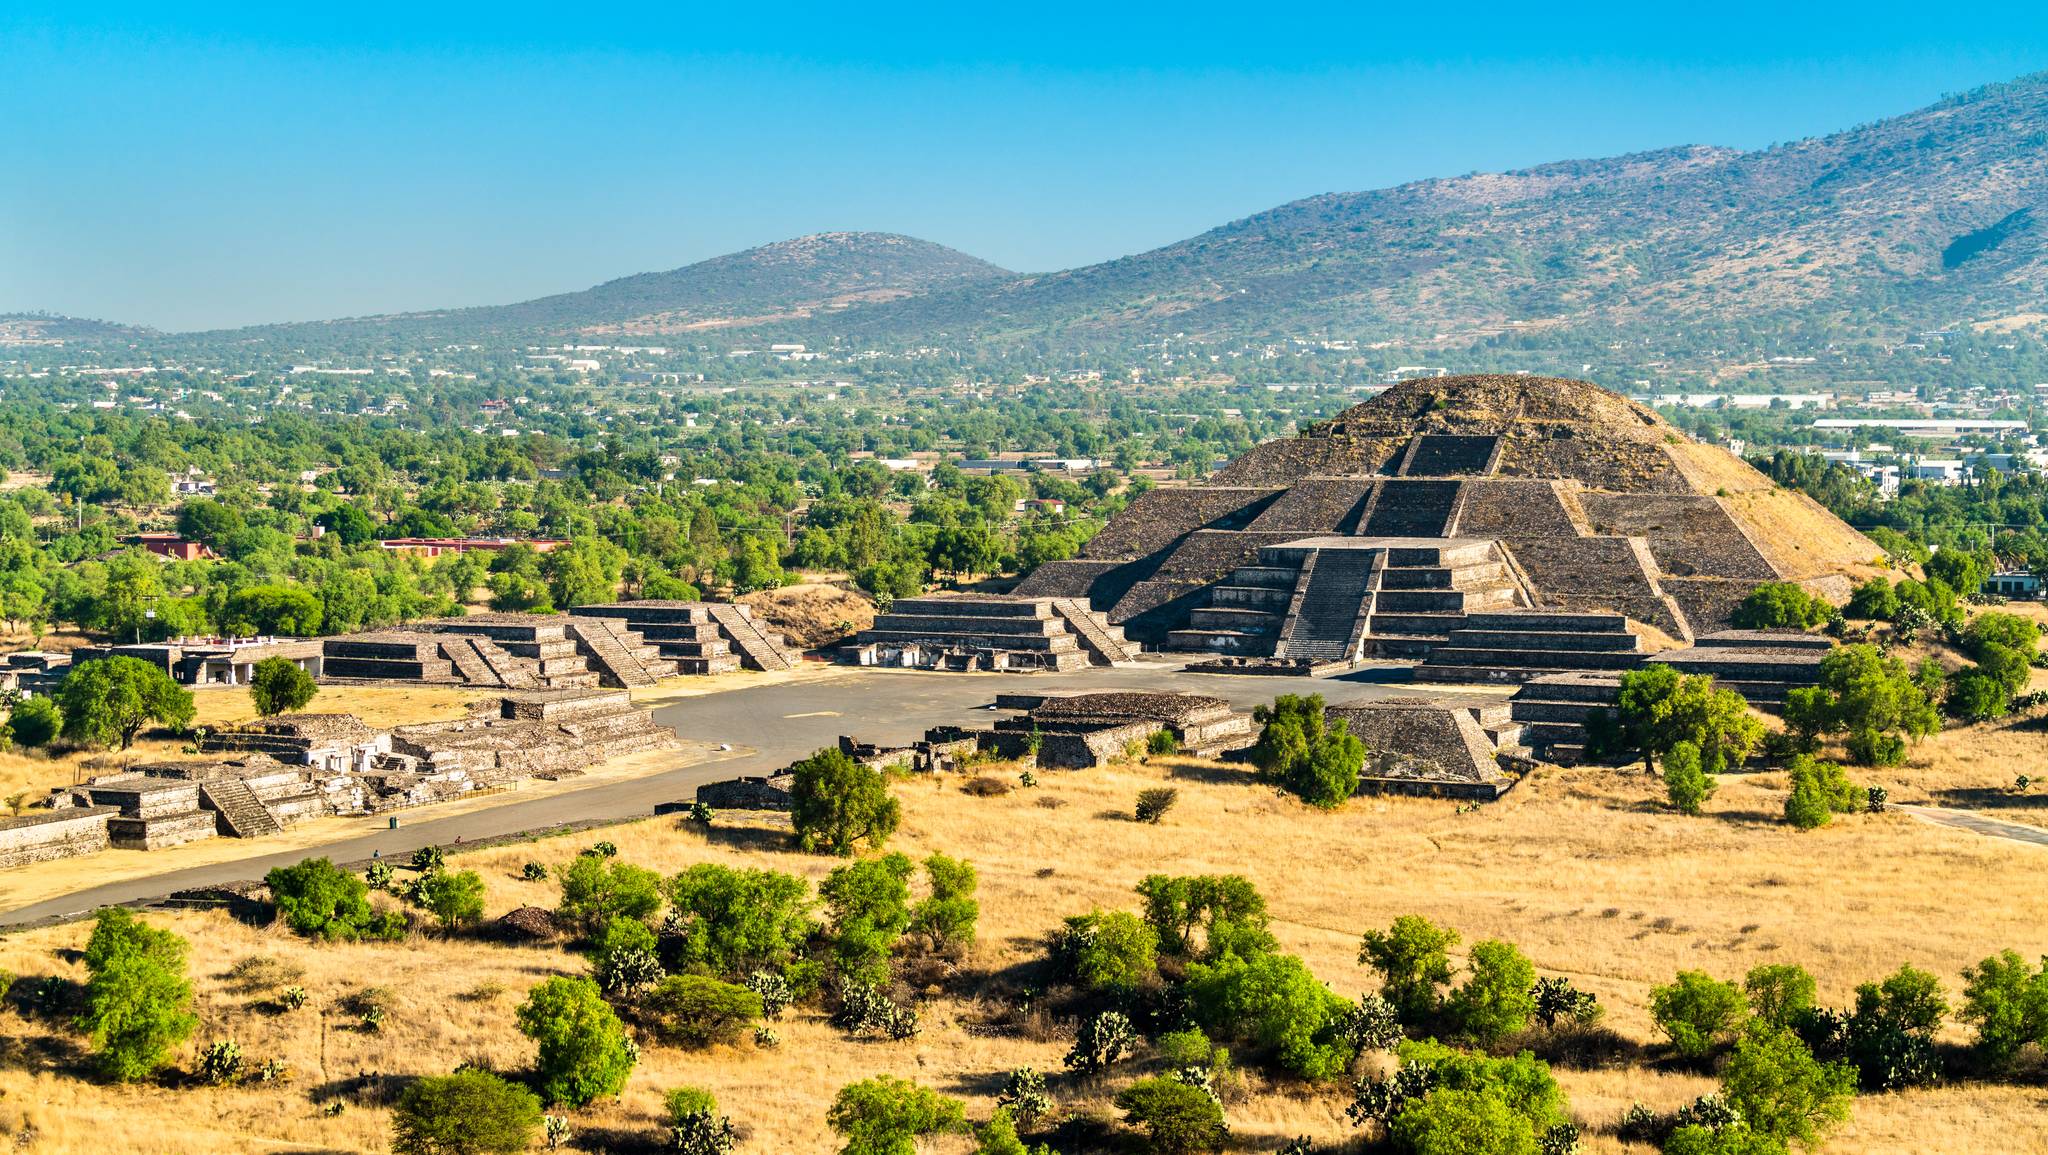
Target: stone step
(1534, 659)
(1419, 602)
(1437, 626)
(1542, 622)
(1233, 618)
(1481, 639)
(1252, 597)
(1221, 642)
(238, 809)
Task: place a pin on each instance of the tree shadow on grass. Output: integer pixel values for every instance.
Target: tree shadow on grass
(367, 1089)
(1991, 798)
(751, 838)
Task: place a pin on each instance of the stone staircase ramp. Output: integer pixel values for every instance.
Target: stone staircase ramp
(238, 809)
(1100, 639)
(470, 664)
(1323, 627)
(614, 664)
(756, 648)
(512, 672)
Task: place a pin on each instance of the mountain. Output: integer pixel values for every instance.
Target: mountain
(780, 283)
(1926, 219)
(56, 329)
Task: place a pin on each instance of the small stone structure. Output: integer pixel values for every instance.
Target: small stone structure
(702, 637)
(749, 793)
(988, 632)
(214, 661)
(1081, 731)
(509, 651)
(45, 835)
(1435, 747)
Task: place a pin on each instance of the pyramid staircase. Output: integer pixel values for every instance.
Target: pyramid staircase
(1523, 644)
(236, 808)
(1106, 644)
(620, 656)
(756, 647)
(1322, 624)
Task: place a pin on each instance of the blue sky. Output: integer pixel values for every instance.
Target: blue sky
(191, 168)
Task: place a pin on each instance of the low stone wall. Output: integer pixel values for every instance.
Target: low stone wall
(47, 835)
(157, 833)
(756, 793)
(1087, 749)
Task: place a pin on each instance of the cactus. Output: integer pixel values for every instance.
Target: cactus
(221, 1062)
(534, 872)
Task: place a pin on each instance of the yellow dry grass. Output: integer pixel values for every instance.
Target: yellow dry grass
(1576, 866)
(1803, 540)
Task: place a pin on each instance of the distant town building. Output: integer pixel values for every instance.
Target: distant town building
(436, 546)
(169, 545)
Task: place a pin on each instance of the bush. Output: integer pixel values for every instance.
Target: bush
(470, 1111)
(1441, 1100)
(1781, 1091)
(1820, 790)
(869, 905)
(533, 872)
(985, 786)
(1874, 600)
(1889, 1037)
(1697, 1012)
(2008, 1003)
(1302, 753)
(1780, 606)
(1180, 1119)
(694, 1124)
(1154, 802)
(999, 1135)
(1273, 1002)
(428, 860)
(1497, 1000)
(1226, 908)
(35, 722)
(1779, 995)
(624, 962)
(279, 686)
(1976, 695)
(1413, 958)
(1686, 781)
(221, 1062)
(886, 1115)
(1162, 743)
(946, 918)
(137, 1000)
(694, 1011)
(1101, 1042)
(837, 804)
(455, 899)
(774, 991)
(735, 922)
(1024, 1096)
(1558, 1001)
(596, 891)
(1107, 950)
(584, 1051)
(317, 897)
(1448, 1122)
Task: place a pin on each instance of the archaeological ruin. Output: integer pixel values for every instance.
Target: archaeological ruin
(989, 632)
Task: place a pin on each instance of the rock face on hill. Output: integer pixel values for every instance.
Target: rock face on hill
(1376, 532)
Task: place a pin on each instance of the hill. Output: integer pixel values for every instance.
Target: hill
(55, 329)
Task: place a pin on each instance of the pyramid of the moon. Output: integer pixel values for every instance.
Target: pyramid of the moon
(1379, 529)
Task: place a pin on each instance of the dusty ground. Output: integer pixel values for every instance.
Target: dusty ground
(1579, 867)
(812, 614)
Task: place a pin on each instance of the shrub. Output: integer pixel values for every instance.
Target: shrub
(694, 1124)
(734, 922)
(1101, 1042)
(1497, 999)
(1686, 781)
(319, 898)
(1370, 1024)
(428, 859)
(1977, 695)
(999, 1135)
(691, 1010)
(584, 1051)
(1780, 606)
(985, 786)
(292, 998)
(624, 963)
(1450, 1122)
(1441, 1100)
(886, 1115)
(865, 1010)
(1874, 600)
(1558, 1001)
(1180, 1119)
(470, 1111)
(774, 991)
(1697, 1012)
(604, 849)
(1779, 994)
(279, 685)
(837, 804)
(137, 1000)
(945, 919)
(455, 899)
(1820, 790)
(1273, 1002)
(34, 722)
(1889, 1037)
(1302, 753)
(869, 905)
(1226, 908)
(1162, 743)
(1413, 958)
(1154, 802)
(533, 872)
(595, 891)
(2008, 1003)
(1781, 1091)
(1107, 950)
(378, 876)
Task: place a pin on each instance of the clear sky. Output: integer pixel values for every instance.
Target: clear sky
(232, 165)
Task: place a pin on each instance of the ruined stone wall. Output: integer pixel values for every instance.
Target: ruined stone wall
(46, 836)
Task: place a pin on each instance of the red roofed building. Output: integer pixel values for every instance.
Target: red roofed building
(436, 546)
(169, 545)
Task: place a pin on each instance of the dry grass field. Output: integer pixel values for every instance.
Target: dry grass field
(1579, 867)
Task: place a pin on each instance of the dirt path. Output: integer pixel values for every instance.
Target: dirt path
(1976, 823)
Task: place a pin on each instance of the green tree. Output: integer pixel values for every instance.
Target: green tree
(886, 1115)
(2008, 1004)
(1226, 909)
(34, 722)
(1179, 1118)
(279, 685)
(1108, 950)
(945, 918)
(1780, 606)
(470, 1112)
(1694, 1139)
(291, 611)
(1686, 781)
(1453, 1122)
(584, 1050)
(1697, 1012)
(869, 905)
(596, 890)
(316, 897)
(1302, 753)
(454, 898)
(1781, 1091)
(734, 922)
(1497, 999)
(137, 1000)
(1820, 790)
(1871, 697)
(695, 1011)
(1779, 994)
(837, 804)
(107, 701)
(1658, 708)
(1271, 1001)
(1413, 958)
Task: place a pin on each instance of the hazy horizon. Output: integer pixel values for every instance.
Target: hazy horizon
(242, 167)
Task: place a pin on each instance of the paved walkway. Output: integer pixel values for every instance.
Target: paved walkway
(1976, 822)
(768, 727)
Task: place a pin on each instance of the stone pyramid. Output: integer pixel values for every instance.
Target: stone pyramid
(1448, 496)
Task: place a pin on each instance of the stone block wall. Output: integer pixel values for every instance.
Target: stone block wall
(48, 835)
